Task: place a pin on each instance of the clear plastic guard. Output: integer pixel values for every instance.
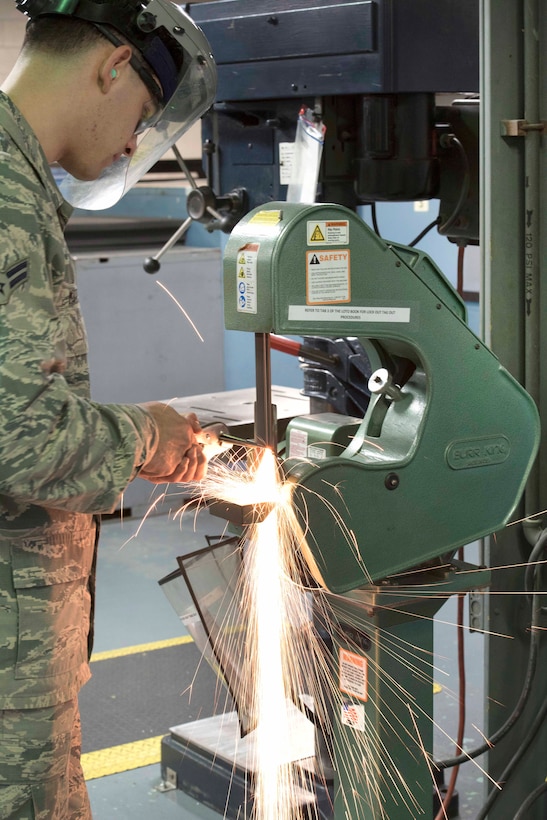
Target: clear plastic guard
(205, 593)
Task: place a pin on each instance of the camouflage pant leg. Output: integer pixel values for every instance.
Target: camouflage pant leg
(40, 773)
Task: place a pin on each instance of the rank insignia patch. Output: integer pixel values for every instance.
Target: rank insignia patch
(12, 279)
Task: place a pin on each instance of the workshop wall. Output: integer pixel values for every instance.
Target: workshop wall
(141, 345)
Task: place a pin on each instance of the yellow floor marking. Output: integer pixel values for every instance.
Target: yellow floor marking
(122, 758)
(128, 756)
(142, 647)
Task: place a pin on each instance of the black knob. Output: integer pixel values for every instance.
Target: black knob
(151, 265)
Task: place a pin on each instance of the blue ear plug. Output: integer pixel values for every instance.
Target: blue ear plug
(113, 73)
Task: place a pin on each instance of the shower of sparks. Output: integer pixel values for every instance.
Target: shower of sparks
(268, 642)
(285, 664)
(183, 311)
(267, 598)
(274, 609)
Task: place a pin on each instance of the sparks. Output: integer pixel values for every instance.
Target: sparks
(183, 311)
(285, 665)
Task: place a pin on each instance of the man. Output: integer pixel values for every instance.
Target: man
(92, 76)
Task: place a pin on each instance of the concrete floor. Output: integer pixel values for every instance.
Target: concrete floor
(131, 609)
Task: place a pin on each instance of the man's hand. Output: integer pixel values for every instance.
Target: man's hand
(179, 456)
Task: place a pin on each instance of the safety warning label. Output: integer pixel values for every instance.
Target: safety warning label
(328, 232)
(247, 258)
(328, 277)
(353, 714)
(353, 674)
(348, 313)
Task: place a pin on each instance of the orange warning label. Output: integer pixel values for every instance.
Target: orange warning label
(353, 674)
(328, 277)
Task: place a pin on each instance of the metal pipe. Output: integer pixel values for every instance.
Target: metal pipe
(532, 227)
(228, 438)
(264, 415)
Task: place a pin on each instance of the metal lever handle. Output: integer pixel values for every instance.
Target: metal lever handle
(151, 263)
(200, 202)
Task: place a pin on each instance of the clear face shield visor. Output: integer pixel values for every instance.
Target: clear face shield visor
(193, 95)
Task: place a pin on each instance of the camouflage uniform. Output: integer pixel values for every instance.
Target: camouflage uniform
(63, 459)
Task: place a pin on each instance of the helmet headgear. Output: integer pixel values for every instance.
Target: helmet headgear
(174, 61)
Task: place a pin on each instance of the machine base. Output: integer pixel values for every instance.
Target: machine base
(209, 761)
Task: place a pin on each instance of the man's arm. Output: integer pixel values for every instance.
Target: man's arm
(58, 448)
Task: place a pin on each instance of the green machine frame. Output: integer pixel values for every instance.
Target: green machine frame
(440, 458)
(450, 436)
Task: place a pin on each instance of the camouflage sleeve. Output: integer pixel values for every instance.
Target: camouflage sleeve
(57, 447)
(66, 452)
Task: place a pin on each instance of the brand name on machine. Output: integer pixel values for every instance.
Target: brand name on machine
(478, 452)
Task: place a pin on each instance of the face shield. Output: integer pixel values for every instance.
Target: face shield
(168, 42)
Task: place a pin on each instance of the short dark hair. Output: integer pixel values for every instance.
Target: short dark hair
(58, 34)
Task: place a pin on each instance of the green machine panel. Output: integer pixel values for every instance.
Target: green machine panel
(443, 452)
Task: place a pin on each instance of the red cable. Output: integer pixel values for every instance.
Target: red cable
(285, 345)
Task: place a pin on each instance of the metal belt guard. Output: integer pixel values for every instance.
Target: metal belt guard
(443, 452)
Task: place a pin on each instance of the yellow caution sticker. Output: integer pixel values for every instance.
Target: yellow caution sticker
(328, 232)
(266, 217)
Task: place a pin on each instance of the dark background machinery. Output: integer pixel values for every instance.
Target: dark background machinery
(396, 84)
(373, 71)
